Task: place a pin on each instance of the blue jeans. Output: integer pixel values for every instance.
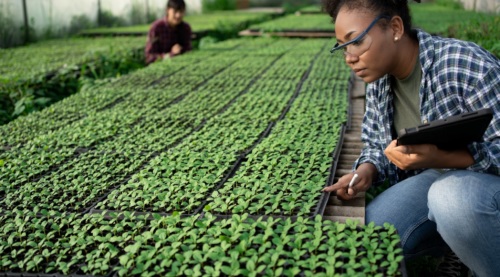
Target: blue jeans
(434, 212)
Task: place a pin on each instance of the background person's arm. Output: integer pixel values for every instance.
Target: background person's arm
(186, 39)
(152, 51)
(184, 44)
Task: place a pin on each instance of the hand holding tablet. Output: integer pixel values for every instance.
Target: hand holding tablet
(450, 133)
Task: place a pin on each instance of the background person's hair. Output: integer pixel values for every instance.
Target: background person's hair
(178, 5)
(389, 7)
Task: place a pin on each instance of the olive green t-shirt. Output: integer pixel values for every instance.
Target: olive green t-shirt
(407, 100)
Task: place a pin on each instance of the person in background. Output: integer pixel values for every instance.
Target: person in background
(169, 36)
(438, 200)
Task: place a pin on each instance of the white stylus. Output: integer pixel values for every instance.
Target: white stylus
(353, 179)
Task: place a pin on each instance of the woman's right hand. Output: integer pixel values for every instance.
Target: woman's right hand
(366, 174)
(176, 49)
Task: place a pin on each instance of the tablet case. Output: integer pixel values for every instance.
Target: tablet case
(450, 133)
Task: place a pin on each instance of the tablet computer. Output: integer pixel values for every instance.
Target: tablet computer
(450, 133)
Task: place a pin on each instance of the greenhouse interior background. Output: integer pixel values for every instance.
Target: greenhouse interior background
(56, 18)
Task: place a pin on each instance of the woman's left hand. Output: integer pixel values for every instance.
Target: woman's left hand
(409, 157)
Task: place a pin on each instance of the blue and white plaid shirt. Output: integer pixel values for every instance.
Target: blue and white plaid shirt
(457, 77)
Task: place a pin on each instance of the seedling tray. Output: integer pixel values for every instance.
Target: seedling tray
(194, 35)
(323, 199)
(312, 31)
(336, 155)
(107, 214)
(290, 33)
(13, 274)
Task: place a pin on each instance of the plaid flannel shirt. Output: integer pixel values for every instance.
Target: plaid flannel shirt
(161, 39)
(457, 77)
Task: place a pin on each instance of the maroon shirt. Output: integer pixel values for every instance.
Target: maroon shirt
(162, 37)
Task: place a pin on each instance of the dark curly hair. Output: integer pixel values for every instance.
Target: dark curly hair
(389, 7)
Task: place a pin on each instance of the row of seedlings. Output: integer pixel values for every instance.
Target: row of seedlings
(27, 161)
(178, 179)
(313, 9)
(285, 77)
(35, 61)
(308, 22)
(171, 90)
(225, 45)
(81, 182)
(95, 98)
(161, 128)
(36, 76)
(213, 22)
(59, 191)
(284, 174)
(48, 164)
(242, 246)
(180, 162)
(59, 115)
(41, 155)
(129, 244)
(23, 170)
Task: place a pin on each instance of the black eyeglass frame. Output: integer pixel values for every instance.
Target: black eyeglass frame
(360, 36)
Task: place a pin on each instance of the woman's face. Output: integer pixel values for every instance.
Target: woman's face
(174, 16)
(372, 56)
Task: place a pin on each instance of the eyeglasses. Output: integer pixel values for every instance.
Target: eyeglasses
(359, 44)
